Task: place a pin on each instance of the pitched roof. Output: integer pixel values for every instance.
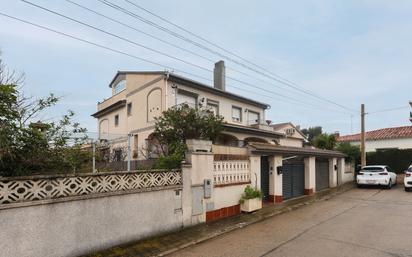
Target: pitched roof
(194, 84)
(265, 148)
(379, 134)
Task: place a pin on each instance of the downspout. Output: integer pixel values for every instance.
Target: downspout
(166, 91)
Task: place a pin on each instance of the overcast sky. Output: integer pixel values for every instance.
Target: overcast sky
(349, 52)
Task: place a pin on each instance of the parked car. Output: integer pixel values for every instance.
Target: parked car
(407, 181)
(381, 175)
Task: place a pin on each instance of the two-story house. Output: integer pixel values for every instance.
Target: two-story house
(138, 97)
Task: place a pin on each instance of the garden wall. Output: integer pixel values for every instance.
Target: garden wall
(60, 216)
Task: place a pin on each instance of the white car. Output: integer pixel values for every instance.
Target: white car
(381, 175)
(407, 181)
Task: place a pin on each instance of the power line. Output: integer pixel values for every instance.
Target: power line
(177, 35)
(390, 109)
(166, 42)
(116, 36)
(157, 51)
(122, 52)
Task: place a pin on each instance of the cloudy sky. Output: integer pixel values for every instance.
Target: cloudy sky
(347, 52)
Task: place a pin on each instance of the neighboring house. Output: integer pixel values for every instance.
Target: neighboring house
(383, 139)
(139, 97)
(292, 134)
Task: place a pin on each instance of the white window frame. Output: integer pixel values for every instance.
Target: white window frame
(121, 84)
(235, 119)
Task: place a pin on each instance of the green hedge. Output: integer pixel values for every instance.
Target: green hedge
(398, 160)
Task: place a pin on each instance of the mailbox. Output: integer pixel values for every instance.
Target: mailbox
(207, 185)
(279, 169)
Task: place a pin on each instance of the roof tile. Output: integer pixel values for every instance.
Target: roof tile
(386, 133)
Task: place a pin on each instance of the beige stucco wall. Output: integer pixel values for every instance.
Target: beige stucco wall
(227, 196)
(225, 104)
(372, 145)
(293, 142)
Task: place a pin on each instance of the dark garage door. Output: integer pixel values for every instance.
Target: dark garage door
(293, 180)
(322, 174)
(264, 177)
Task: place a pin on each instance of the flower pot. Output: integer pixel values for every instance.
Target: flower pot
(198, 145)
(250, 205)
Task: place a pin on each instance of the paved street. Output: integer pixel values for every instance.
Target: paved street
(360, 222)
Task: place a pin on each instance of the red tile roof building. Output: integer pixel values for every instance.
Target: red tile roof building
(380, 134)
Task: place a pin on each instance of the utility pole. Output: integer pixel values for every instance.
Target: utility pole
(362, 146)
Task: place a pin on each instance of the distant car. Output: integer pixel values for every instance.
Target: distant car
(380, 175)
(408, 179)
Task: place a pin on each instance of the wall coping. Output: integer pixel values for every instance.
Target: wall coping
(71, 175)
(87, 197)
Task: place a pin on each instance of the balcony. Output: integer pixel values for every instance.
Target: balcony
(260, 124)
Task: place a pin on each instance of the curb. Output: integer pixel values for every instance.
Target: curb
(323, 195)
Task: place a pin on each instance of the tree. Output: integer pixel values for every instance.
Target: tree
(312, 132)
(352, 151)
(325, 141)
(24, 147)
(176, 125)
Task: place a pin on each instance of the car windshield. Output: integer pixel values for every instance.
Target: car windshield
(372, 169)
(410, 169)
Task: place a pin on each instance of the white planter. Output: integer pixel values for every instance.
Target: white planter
(198, 145)
(250, 205)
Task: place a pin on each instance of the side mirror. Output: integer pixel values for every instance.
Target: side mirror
(279, 169)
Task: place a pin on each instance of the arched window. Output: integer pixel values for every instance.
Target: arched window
(154, 104)
(120, 86)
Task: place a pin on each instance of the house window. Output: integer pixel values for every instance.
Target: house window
(213, 106)
(253, 117)
(118, 155)
(236, 114)
(116, 120)
(129, 109)
(186, 98)
(120, 87)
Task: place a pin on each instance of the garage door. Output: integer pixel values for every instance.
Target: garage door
(293, 180)
(322, 174)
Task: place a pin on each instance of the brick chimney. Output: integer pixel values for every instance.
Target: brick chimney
(219, 77)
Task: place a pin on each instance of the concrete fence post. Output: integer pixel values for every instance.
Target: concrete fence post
(333, 172)
(196, 171)
(275, 179)
(310, 175)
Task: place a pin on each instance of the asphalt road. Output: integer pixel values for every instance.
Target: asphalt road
(360, 222)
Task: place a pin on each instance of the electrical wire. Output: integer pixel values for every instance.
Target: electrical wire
(159, 52)
(129, 55)
(286, 83)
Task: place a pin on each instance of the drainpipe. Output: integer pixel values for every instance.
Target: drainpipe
(166, 91)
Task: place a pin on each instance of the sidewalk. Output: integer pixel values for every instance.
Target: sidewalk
(166, 244)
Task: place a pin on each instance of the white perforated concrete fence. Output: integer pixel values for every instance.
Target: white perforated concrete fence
(73, 215)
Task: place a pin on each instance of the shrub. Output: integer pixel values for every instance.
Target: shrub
(168, 162)
(250, 193)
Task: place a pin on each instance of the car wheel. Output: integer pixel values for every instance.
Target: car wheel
(359, 185)
(406, 189)
(389, 186)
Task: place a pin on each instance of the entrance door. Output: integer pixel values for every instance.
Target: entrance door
(293, 181)
(322, 174)
(264, 177)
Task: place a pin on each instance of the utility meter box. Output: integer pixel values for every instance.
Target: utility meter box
(207, 185)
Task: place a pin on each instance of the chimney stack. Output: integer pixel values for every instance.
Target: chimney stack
(219, 77)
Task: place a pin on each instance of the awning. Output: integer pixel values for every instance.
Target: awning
(270, 149)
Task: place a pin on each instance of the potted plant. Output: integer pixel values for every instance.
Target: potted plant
(251, 200)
